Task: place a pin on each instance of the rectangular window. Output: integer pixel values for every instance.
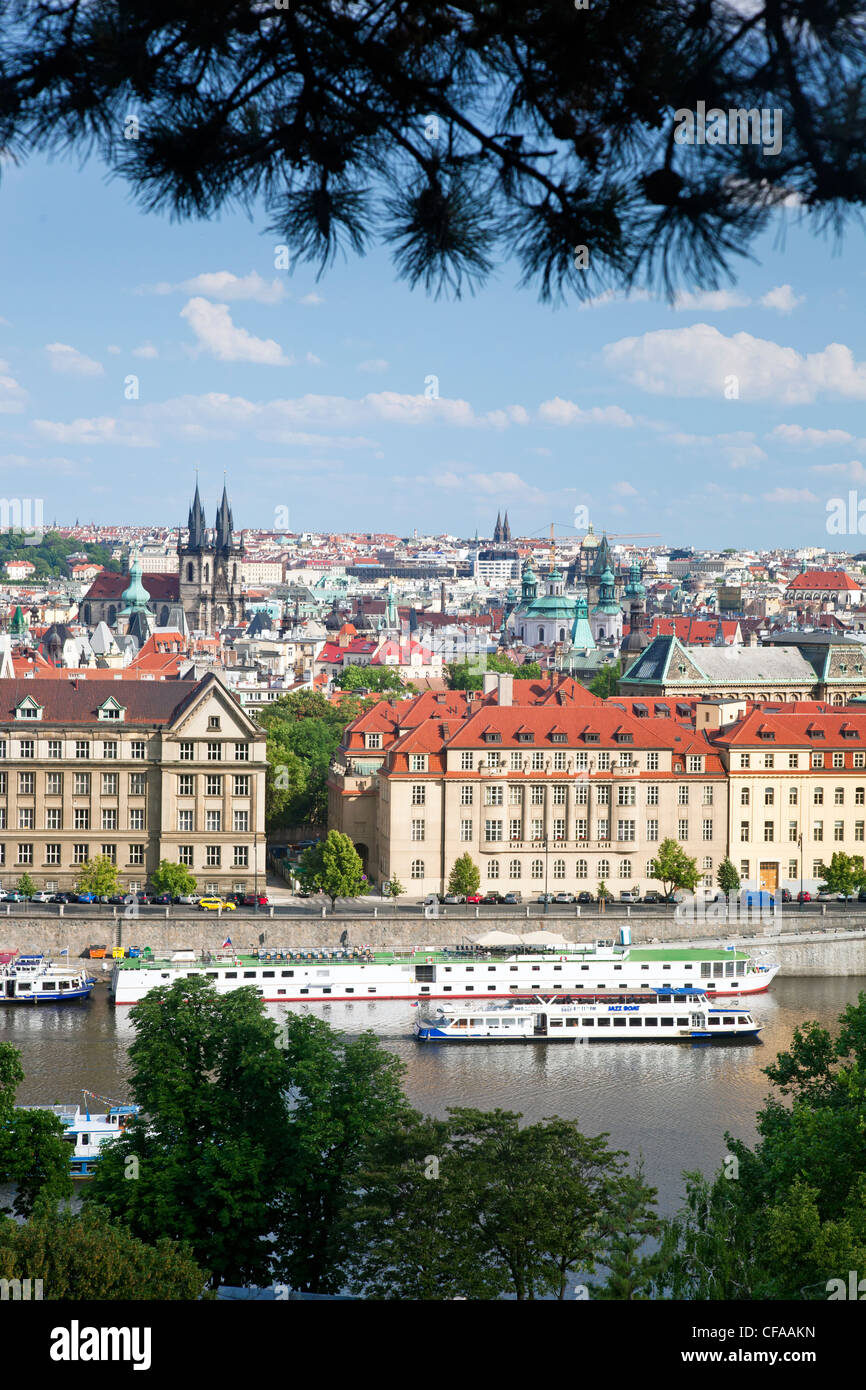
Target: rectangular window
(559, 829)
(838, 759)
(652, 795)
(27, 748)
(109, 784)
(695, 764)
(241, 823)
(54, 784)
(417, 762)
(136, 854)
(682, 830)
(212, 856)
(187, 752)
(54, 818)
(136, 819)
(515, 830)
(793, 796)
(466, 794)
(186, 784)
(81, 820)
(744, 830)
(604, 761)
(745, 760)
(652, 762)
(242, 752)
(466, 761)
(626, 796)
(516, 762)
(25, 854)
(185, 821)
(769, 796)
(537, 762)
(768, 830)
(817, 759)
(109, 820)
(466, 831)
(214, 752)
(792, 830)
(82, 748)
(241, 857)
(241, 784)
(492, 796)
(818, 831)
(706, 830)
(136, 783)
(419, 793)
(52, 854)
(81, 786)
(26, 818)
(625, 830)
(536, 795)
(184, 855)
(838, 830)
(55, 748)
(652, 829)
(793, 759)
(708, 796)
(818, 796)
(418, 830)
(26, 783)
(839, 796)
(858, 830)
(213, 786)
(109, 748)
(110, 852)
(213, 821)
(560, 795)
(80, 854)
(493, 830)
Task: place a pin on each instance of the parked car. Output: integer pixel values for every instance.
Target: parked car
(492, 897)
(254, 899)
(41, 897)
(825, 896)
(186, 900)
(786, 895)
(804, 896)
(653, 896)
(513, 897)
(216, 904)
(545, 898)
(162, 899)
(585, 897)
(85, 897)
(627, 897)
(474, 898)
(117, 900)
(454, 898)
(144, 899)
(861, 896)
(564, 898)
(62, 897)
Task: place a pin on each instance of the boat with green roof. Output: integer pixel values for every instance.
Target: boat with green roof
(346, 973)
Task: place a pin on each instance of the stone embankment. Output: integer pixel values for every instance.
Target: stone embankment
(811, 945)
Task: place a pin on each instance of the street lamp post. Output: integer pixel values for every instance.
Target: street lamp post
(255, 872)
(546, 862)
(800, 844)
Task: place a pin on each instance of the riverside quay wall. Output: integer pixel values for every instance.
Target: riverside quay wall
(828, 945)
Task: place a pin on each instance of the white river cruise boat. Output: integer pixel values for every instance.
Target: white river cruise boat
(319, 976)
(86, 1131)
(36, 980)
(680, 1016)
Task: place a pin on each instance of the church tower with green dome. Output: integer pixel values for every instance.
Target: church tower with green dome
(606, 621)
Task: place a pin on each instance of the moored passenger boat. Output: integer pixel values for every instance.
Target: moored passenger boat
(676, 1016)
(329, 976)
(33, 979)
(86, 1131)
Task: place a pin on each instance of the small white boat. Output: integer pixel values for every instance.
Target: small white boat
(677, 1016)
(33, 979)
(87, 1131)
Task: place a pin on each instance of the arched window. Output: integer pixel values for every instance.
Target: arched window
(559, 868)
(625, 868)
(580, 869)
(417, 870)
(514, 869)
(562, 634)
(537, 870)
(112, 615)
(206, 575)
(541, 634)
(604, 868)
(189, 572)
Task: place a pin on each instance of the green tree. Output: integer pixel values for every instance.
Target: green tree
(630, 1219)
(469, 675)
(368, 127)
(304, 731)
(673, 868)
(604, 683)
(344, 1093)
(98, 876)
(844, 874)
(727, 877)
(26, 886)
(82, 1255)
(334, 866)
(465, 876)
(172, 878)
(205, 1166)
(394, 888)
(33, 1153)
(781, 1219)
(378, 678)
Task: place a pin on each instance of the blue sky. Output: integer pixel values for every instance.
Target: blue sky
(311, 395)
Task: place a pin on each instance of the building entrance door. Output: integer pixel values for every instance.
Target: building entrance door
(769, 877)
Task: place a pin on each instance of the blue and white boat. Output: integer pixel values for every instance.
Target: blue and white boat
(34, 979)
(670, 1016)
(86, 1131)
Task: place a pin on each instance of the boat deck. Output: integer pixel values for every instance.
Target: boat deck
(434, 957)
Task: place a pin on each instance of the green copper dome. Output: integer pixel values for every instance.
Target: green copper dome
(135, 597)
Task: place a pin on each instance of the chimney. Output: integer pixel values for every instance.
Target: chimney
(490, 681)
(505, 690)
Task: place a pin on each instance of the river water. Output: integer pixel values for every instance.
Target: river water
(671, 1103)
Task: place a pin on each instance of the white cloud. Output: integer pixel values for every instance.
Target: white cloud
(101, 430)
(113, 349)
(312, 359)
(710, 300)
(695, 361)
(146, 350)
(853, 470)
(786, 495)
(223, 285)
(312, 298)
(373, 364)
(624, 489)
(781, 298)
(616, 297)
(64, 358)
(560, 412)
(12, 394)
(216, 334)
(799, 437)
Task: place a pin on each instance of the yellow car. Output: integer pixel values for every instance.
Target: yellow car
(214, 904)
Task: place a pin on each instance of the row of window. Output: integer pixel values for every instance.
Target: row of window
(86, 748)
(110, 783)
(794, 832)
(81, 854)
(558, 869)
(80, 819)
(811, 759)
(793, 796)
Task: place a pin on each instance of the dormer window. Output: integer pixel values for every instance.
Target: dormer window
(590, 736)
(623, 737)
(525, 738)
(213, 721)
(28, 709)
(110, 709)
(559, 738)
(492, 736)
